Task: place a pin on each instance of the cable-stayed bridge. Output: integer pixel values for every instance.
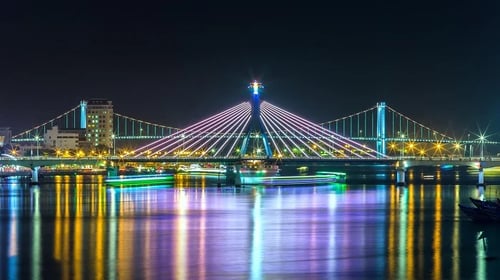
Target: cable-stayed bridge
(257, 128)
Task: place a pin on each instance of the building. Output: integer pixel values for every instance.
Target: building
(99, 126)
(5, 136)
(67, 139)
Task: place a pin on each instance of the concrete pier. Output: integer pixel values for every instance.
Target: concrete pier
(481, 186)
(34, 175)
(400, 176)
(480, 177)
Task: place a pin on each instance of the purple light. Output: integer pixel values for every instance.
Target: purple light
(197, 130)
(222, 133)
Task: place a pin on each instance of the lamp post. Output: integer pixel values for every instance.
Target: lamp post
(113, 136)
(470, 145)
(481, 140)
(37, 138)
(465, 149)
(402, 145)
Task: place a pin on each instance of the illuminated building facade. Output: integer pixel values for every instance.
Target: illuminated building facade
(56, 138)
(99, 130)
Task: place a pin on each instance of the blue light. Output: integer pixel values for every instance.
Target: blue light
(256, 86)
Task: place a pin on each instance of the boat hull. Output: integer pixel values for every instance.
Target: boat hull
(476, 214)
(483, 210)
(138, 180)
(292, 180)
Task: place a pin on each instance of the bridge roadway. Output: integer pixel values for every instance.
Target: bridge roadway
(406, 162)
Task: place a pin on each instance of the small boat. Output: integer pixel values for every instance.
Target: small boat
(318, 179)
(198, 169)
(253, 168)
(491, 204)
(476, 214)
(484, 210)
(136, 180)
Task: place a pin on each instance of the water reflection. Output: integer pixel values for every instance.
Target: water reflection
(76, 228)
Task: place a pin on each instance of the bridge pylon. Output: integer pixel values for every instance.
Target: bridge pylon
(381, 140)
(83, 114)
(256, 127)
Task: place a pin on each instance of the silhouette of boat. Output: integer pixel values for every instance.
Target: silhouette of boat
(476, 214)
(483, 210)
(491, 204)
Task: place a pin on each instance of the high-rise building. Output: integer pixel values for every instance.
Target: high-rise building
(99, 131)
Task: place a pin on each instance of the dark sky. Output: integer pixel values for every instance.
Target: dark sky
(437, 62)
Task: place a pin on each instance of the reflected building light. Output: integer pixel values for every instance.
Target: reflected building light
(79, 239)
(100, 240)
(36, 253)
(410, 244)
(481, 249)
(332, 234)
(112, 239)
(13, 244)
(127, 231)
(403, 229)
(181, 235)
(436, 244)
(455, 241)
(391, 235)
(202, 273)
(256, 253)
(57, 222)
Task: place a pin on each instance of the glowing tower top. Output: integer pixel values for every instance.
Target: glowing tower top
(256, 127)
(256, 86)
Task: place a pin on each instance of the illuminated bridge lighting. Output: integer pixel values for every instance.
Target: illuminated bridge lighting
(223, 135)
(258, 129)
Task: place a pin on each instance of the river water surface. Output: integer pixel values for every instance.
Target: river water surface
(77, 228)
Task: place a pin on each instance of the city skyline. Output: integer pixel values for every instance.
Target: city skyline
(177, 65)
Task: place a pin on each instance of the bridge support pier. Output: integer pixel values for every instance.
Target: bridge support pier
(480, 183)
(233, 176)
(400, 176)
(237, 177)
(111, 171)
(34, 175)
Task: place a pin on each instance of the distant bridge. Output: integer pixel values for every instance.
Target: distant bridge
(256, 128)
(124, 127)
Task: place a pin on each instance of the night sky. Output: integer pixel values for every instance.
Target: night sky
(437, 62)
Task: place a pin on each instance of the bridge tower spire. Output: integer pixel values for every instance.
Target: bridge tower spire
(83, 114)
(381, 140)
(256, 125)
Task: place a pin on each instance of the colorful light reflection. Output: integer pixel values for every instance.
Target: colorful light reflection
(80, 231)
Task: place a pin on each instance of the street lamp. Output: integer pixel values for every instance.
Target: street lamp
(403, 145)
(470, 144)
(457, 148)
(113, 136)
(481, 139)
(465, 149)
(37, 138)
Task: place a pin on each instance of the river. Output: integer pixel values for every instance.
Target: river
(77, 228)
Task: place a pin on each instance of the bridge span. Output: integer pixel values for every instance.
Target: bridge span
(476, 162)
(120, 160)
(251, 128)
(392, 169)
